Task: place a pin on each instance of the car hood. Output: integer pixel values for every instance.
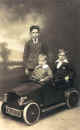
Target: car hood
(26, 88)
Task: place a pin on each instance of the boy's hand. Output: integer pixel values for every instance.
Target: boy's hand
(67, 78)
(26, 71)
(41, 80)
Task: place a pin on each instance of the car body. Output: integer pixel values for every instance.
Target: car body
(30, 99)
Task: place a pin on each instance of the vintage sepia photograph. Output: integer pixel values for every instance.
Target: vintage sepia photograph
(39, 64)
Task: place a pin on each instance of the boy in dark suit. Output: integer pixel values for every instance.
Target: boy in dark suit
(63, 70)
(32, 49)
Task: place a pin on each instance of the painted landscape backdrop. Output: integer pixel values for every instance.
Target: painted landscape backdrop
(60, 24)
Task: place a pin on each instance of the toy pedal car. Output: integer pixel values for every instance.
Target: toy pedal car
(31, 99)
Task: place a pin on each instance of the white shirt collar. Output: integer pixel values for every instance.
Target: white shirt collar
(35, 41)
(64, 61)
(45, 66)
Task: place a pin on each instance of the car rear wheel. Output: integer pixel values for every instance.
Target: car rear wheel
(31, 113)
(72, 99)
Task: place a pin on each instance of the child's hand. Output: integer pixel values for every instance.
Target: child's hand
(26, 71)
(67, 78)
(41, 80)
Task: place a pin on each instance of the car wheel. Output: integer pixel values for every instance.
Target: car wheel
(72, 98)
(31, 113)
(3, 108)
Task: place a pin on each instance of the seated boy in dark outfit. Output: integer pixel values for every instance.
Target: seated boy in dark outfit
(63, 70)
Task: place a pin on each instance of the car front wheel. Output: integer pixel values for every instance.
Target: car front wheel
(3, 108)
(31, 113)
(72, 99)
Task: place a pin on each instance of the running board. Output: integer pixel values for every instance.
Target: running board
(53, 107)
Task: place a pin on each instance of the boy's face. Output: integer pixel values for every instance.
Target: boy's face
(41, 60)
(61, 56)
(35, 33)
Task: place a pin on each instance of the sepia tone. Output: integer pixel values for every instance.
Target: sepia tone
(60, 24)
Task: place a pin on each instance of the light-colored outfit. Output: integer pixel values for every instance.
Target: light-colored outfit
(42, 73)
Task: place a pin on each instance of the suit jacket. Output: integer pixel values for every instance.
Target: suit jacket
(31, 53)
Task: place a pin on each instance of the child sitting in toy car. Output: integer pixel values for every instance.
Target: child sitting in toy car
(42, 71)
(62, 69)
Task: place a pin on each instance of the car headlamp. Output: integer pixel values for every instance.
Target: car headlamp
(5, 98)
(22, 100)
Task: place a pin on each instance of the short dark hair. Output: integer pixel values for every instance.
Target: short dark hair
(34, 27)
